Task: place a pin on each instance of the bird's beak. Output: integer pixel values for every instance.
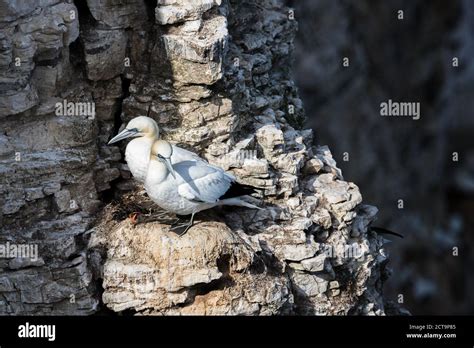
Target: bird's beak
(170, 167)
(126, 133)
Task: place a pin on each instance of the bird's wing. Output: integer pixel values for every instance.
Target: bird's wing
(181, 155)
(202, 183)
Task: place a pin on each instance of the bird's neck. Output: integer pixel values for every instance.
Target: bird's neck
(152, 132)
(157, 172)
(139, 148)
(152, 136)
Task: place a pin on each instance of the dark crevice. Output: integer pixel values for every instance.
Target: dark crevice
(265, 261)
(125, 94)
(102, 308)
(217, 284)
(84, 14)
(76, 48)
(150, 9)
(223, 265)
(108, 195)
(128, 312)
(76, 56)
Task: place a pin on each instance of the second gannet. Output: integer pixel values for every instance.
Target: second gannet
(186, 187)
(137, 154)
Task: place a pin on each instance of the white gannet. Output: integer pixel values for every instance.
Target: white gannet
(137, 154)
(186, 187)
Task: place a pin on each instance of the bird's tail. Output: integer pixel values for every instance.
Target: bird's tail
(238, 201)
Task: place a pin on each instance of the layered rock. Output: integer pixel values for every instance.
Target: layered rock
(216, 78)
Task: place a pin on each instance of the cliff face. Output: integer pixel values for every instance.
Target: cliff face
(216, 78)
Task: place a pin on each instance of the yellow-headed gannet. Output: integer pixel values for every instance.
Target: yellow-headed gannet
(137, 154)
(186, 187)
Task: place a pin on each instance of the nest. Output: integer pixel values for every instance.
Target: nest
(139, 204)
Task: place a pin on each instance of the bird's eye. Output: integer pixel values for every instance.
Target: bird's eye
(160, 157)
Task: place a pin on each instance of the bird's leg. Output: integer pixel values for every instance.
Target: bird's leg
(191, 221)
(148, 217)
(175, 221)
(161, 217)
(187, 225)
(158, 216)
(182, 224)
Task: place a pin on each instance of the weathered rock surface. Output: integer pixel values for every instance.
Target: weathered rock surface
(216, 77)
(210, 270)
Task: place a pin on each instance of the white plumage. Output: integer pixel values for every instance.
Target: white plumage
(187, 187)
(137, 153)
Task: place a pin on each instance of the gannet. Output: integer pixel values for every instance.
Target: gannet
(186, 187)
(137, 154)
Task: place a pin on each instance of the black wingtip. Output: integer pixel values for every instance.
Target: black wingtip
(381, 230)
(238, 190)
